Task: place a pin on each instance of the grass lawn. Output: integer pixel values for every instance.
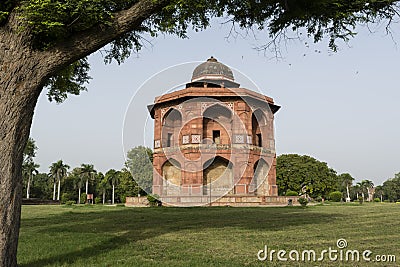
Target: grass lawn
(218, 236)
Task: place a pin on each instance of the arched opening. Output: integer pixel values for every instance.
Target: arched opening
(172, 123)
(258, 126)
(217, 123)
(260, 175)
(172, 175)
(217, 176)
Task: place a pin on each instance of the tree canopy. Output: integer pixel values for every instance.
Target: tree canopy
(49, 23)
(295, 172)
(391, 188)
(30, 150)
(139, 162)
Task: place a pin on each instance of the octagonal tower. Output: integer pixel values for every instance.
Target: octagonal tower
(214, 142)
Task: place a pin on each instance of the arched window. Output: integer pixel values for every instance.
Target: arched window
(172, 123)
(217, 124)
(258, 126)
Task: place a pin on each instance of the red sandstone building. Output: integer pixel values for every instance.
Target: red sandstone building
(214, 142)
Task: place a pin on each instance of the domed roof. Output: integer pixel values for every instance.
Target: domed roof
(212, 70)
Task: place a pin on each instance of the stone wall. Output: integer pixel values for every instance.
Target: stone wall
(136, 202)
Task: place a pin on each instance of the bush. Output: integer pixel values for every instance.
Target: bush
(291, 193)
(303, 201)
(83, 198)
(360, 199)
(377, 199)
(153, 200)
(318, 199)
(335, 196)
(69, 202)
(97, 200)
(66, 197)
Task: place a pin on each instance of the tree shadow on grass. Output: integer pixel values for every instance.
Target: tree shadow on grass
(127, 225)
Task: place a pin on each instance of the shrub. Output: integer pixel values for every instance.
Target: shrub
(335, 196)
(291, 193)
(153, 200)
(83, 198)
(69, 202)
(360, 199)
(303, 201)
(97, 200)
(377, 199)
(65, 197)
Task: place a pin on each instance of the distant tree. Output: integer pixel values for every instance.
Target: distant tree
(103, 185)
(30, 150)
(355, 191)
(77, 180)
(365, 187)
(379, 192)
(113, 177)
(88, 171)
(345, 181)
(127, 186)
(369, 185)
(139, 163)
(29, 170)
(362, 189)
(295, 172)
(391, 188)
(58, 171)
(41, 187)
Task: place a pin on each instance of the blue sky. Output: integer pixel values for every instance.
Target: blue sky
(341, 108)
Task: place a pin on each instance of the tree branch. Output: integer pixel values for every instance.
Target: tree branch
(84, 43)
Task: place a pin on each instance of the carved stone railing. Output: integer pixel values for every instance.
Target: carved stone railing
(216, 147)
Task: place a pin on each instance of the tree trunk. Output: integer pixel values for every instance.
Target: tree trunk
(54, 191)
(87, 186)
(19, 91)
(113, 194)
(59, 188)
(79, 195)
(104, 196)
(27, 186)
(370, 197)
(348, 193)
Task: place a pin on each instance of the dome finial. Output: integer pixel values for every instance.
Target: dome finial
(212, 59)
